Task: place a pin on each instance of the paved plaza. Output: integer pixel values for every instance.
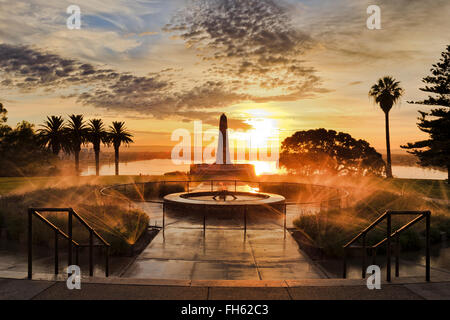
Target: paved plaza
(224, 251)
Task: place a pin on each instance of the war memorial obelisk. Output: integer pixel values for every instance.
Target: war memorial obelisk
(223, 147)
(223, 167)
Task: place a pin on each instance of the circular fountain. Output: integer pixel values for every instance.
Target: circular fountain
(225, 201)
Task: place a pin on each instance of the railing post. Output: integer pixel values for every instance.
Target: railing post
(164, 222)
(212, 185)
(107, 261)
(164, 216)
(427, 246)
(77, 255)
(30, 243)
(344, 269)
(69, 247)
(363, 271)
(204, 225)
(388, 250)
(397, 256)
(56, 252)
(245, 222)
(91, 253)
(285, 213)
(235, 186)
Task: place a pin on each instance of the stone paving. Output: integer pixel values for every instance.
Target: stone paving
(223, 252)
(313, 289)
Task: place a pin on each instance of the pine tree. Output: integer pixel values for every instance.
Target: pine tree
(436, 123)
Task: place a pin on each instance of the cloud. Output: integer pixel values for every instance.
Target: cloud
(253, 42)
(339, 29)
(155, 95)
(249, 51)
(157, 98)
(31, 68)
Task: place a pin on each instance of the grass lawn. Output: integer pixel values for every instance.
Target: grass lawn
(438, 189)
(24, 184)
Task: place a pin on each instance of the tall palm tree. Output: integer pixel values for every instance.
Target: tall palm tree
(386, 92)
(53, 134)
(77, 133)
(97, 135)
(118, 134)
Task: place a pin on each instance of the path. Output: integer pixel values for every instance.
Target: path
(117, 289)
(224, 252)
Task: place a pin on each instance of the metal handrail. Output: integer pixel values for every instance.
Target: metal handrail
(339, 198)
(399, 231)
(366, 230)
(235, 181)
(389, 235)
(71, 213)
(55, 228)
(83, 222)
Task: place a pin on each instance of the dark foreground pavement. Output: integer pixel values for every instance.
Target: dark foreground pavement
(57, 290)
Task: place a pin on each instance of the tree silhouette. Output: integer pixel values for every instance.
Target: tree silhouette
(322, 151)
(22, 154)
(4, 129)
(3, 113)
(53, 134)
(386, 92)
(97, 135)
(118, 134)
(77, 133)
(436, 150)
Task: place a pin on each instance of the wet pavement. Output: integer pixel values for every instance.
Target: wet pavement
(314, 289)
(14, 259)
(223, 252)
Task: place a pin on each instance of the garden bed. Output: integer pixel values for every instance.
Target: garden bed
(114, 220)
(328, 230)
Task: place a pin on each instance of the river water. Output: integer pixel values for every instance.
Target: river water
(161, 166)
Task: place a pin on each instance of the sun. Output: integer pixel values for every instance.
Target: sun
(261, 139)
(263, 129)
(262, 167)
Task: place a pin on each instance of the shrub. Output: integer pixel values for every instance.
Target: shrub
(114, 220)
(330, 230)
(299, 192)
(165, 189)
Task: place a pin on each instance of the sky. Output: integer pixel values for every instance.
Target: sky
(287, 65)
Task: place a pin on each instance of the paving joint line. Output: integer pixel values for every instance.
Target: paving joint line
(46, 289)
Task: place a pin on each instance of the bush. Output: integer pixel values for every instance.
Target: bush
(330, 230)
(146, 191)
(114, 220)
(165, 189)
(299, 192)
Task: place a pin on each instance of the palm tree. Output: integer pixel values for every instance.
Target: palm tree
(77, 135)
(97, 135)
(118, 134)
(53, 134)
(386, 92)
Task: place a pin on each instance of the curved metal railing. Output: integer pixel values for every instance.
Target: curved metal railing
(334, 201)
